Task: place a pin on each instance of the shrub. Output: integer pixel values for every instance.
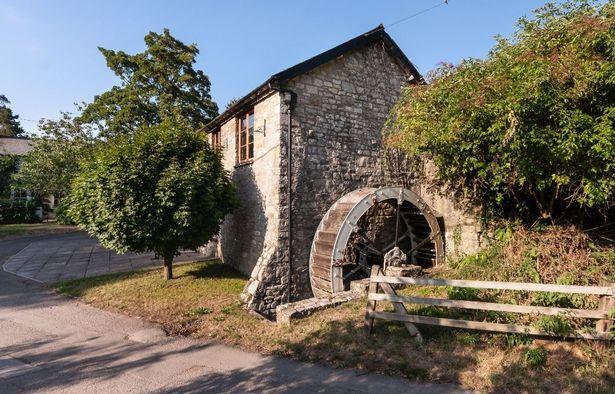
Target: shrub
(529, 131)
(8, 166)
(61, 212)
(536, 357)
(17, 211)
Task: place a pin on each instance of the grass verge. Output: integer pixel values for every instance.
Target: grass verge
(10, 231)
(203, 302)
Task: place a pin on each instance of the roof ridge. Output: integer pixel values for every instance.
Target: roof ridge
(276, 80)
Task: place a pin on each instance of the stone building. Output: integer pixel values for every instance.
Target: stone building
(18, 146)
(299, 142)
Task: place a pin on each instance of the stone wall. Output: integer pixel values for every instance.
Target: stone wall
(249, 237)
(340, 112)
(15, 146)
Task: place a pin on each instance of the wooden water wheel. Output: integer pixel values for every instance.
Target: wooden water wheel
(342, 232)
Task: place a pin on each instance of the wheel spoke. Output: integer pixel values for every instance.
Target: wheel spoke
(423, 242)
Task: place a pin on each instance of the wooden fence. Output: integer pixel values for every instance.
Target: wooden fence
(379, 281)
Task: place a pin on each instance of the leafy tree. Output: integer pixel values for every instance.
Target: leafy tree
(9, 123)
(54, 161)
(161, 189)
(530, 130)
(8, 166)
(156, 85)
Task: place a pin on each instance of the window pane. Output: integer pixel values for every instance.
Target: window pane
(251, 128)
(242, 138)
(243, 153)
(250, 151)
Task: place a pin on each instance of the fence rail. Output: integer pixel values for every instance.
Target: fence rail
(379, 281)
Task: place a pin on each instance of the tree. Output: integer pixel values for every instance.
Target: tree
(9, 123)
(530, 130)
(8, 166)
(55, 159)
(157, 85)
(162, 189)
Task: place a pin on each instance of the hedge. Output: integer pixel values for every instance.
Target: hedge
(17, 211)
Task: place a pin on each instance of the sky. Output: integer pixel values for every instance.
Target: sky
(49, 58)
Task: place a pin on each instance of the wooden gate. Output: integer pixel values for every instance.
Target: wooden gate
(604, 313)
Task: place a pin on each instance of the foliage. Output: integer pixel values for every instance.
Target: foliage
(530, 130)
(56, 156)
(156, 85)
(8, 166)
(9, 123)
(17, 211)
(162, 189)
(232, 102)
(555, 325)
(197, 311)
(61, 213)
(535, 357)
(553, 254)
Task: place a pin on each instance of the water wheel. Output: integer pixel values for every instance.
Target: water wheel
(362, 226)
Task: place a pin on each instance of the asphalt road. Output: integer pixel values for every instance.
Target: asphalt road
(50, 343)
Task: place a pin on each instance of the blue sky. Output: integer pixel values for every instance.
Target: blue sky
(50, 59)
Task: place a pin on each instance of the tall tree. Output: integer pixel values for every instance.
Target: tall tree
(55, 159)
(160, 189)
(159, 84)
(9, 123)
(530, 130)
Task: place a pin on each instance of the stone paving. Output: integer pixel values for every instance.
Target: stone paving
(77, 256)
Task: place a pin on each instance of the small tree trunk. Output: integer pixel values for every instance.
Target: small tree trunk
(168, 268)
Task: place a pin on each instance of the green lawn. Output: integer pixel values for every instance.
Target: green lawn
(19, 230)
(203, 301)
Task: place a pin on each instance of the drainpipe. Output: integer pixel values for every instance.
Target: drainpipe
(289, 98)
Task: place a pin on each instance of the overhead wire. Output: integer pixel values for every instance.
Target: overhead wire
(417, 14)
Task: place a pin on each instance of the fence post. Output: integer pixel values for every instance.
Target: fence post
(606, 304)
(400, 308)
(371, 305)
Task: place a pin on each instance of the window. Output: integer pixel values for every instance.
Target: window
(245, 138)
(215, 138)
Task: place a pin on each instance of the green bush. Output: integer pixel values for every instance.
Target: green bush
(17, 211)
(536, 357)
(529, 131)
(61, 212)
(8, 166)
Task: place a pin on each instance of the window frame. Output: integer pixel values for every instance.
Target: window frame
(244, 138)
(215, 138)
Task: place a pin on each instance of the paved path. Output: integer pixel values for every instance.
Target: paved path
(75, 256)
(50, 343)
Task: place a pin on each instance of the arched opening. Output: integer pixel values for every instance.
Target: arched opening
(362, 226)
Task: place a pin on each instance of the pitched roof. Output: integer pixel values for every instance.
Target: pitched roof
(276, 81)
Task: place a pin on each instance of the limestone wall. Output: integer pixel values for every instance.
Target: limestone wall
(462, 226)
(249, 237)
(341, 109)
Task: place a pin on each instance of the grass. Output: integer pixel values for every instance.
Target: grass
(8, 231)
(203, 302)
